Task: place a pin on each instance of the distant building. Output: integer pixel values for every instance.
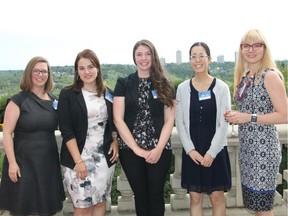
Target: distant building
(178, 57)
(220, 59)
(236, 56)
(163, 61)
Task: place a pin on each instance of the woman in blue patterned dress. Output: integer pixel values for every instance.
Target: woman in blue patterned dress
(89, 147)
(261, 97)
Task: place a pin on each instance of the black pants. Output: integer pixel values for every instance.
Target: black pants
(147, 181)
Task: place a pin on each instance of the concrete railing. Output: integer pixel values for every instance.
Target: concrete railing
(179, 199)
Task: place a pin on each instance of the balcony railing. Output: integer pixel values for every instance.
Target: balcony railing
(179, 200)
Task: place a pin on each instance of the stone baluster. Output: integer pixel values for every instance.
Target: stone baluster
(126, 201)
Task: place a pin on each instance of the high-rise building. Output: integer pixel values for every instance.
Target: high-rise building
(220, 59)
(163, 61)
(236, 56)
(178, 57)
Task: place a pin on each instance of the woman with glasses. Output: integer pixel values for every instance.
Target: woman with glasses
(31, 182)
(201, 103)
(89, 147)
(144, 110)
(262, 100)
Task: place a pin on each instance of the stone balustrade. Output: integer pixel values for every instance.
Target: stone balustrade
(179, 199)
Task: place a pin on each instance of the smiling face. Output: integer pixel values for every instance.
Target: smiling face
(40, 74)
(143, 58)
(253, 51)
(199, 60)
(87, 71)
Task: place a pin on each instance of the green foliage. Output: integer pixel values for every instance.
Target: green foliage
(283, 67)
(283, 166)
(1, 162)
(114, 192)
(63, 76)
(3, 101)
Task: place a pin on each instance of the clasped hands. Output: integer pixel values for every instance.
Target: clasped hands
(205, 161)
(150, 156)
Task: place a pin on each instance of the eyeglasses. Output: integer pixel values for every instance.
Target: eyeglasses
(201, 57)
(43, 72)
(255, 46)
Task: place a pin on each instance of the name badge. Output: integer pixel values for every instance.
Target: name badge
(154, 94)
(243, 89)
(109, 96)
(55, 104)
(204, 95)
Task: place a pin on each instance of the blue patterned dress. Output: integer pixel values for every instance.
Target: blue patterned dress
(259, 147)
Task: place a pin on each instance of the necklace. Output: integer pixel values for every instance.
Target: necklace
(91, 91)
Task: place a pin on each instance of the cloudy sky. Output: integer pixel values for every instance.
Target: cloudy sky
(59, 29)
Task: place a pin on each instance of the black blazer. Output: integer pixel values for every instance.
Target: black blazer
(128, 87)
(73, 123)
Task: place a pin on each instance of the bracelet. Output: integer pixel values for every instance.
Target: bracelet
(79, 161)
(114, 135)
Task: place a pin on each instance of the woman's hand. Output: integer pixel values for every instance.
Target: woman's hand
(207, 160)
(81, 170)
(154, 155)
(14, 172)
(141, 152)
(114, 150)
(196, 157)
(236, 117)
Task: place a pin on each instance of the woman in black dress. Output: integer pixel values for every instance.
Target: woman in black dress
(31, 181)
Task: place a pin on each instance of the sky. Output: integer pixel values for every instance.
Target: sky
(59, 29)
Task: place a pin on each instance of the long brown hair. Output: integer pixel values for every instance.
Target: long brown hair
(77, 82)
(158, 75)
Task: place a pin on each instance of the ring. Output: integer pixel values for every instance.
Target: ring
(117, 155)
(79, 175)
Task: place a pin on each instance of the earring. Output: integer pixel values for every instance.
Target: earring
(78, 78)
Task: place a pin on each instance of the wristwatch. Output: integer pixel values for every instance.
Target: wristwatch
(254, 118)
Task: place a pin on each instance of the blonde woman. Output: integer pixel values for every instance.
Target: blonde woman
(262, 101)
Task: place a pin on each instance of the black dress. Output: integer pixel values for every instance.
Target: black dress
(197, 178)
(39, 190)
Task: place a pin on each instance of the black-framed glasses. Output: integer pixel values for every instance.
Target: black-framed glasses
(43, 72)
(255, 46)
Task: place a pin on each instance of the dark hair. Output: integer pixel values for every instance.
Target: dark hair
(204, 45)
(78, 83)
(26, 81)
(158, 75)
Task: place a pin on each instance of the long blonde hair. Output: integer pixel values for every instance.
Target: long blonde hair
(241, 67)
